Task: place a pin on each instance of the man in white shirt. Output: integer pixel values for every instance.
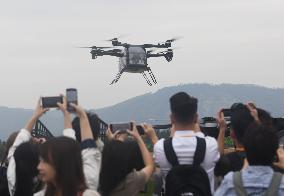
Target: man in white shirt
(184, 119)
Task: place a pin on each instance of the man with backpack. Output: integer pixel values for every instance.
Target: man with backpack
(181, 156)
(258, 178)
(241, 117)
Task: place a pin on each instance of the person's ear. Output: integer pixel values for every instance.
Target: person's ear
(172, 118)
(195, 119)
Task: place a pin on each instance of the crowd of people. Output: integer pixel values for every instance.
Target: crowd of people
(187, 163)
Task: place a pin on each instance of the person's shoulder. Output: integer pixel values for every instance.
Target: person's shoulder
(137, 175)
(40, 193)
(159, 144)
(227, 186)
(210, 139)
(228, 178)
(89, 192)
(211, 142)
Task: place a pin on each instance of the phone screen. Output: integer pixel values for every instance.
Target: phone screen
(72, 97)
(227, 112)
(120, 127)
(140, 129)
(51, 102)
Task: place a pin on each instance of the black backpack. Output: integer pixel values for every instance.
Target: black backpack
(186, 180)
(4, 190)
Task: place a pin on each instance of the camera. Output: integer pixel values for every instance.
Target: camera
(227, 113)
(140, 129)
(51, 102)
(209, 126)
(71, 97)
(122, 127)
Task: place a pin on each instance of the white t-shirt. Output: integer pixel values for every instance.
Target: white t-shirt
(184, 144)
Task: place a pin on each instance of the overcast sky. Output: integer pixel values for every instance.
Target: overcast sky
(224, 41)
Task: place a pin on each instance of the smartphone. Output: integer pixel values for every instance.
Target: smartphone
(51, 102)
(140, 129)
(114, 127)
(227, 112)
(71, 97)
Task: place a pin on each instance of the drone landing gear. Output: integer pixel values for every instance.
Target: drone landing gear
(116, 78)
(146, 78)
(151, 75)
(143, 74)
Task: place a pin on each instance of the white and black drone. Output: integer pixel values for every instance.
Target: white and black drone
(133, 58)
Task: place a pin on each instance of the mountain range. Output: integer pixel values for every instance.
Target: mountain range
(154, 107)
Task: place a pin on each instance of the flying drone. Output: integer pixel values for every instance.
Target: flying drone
(133, 58)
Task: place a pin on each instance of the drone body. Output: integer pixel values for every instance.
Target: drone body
(133, 58)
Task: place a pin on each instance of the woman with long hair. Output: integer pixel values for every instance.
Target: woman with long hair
(120, 174)
(62, 163)
(61, 168)
(23, 158)
(26, 159)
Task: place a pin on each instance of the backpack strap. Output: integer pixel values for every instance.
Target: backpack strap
(199, 153)
(169, 152)
(238, 184)
(274, 184)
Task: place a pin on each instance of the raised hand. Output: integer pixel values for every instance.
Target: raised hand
(253, 111)
(222, 128)
(134, 132)
(63, 106)
(39, 110)
(79, 110)
(221, 120)
(150, 132)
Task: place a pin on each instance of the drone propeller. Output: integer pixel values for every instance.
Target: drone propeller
(116, 50)
(168, 50)
(96, 47)
(150, 51)
(175, 48)
(174, 39)
(115, 38)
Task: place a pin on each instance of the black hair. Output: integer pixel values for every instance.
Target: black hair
(183, 107)
(240, 120)
(64, 155)
(94, 124)
(26, 159)
(118, 160)
(261, 143)
(137, 161)
(265, 117)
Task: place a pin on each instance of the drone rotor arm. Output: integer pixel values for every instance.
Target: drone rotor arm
(149, 55)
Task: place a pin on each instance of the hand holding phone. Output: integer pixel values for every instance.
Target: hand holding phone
(122, 127)
(51, 102)
(227, 112)
(71, 97)
(140, 129)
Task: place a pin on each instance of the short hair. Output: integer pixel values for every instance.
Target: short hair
(240, 120)
(261, 143)
(94, 124)
(183, 107)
